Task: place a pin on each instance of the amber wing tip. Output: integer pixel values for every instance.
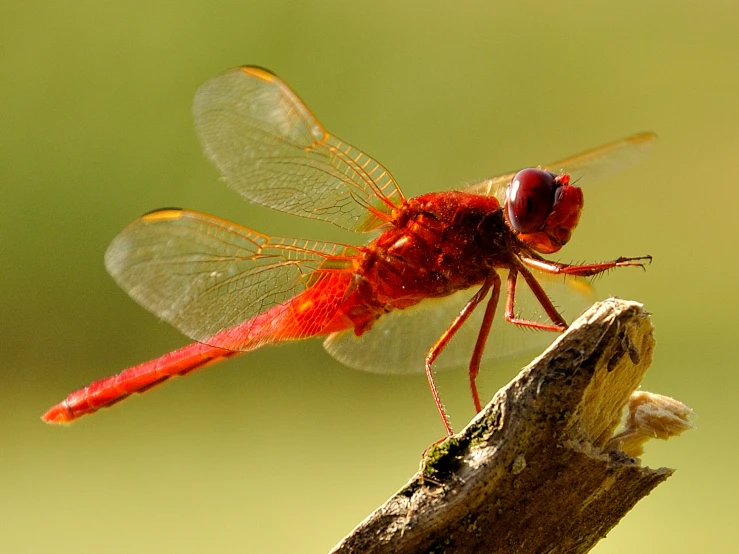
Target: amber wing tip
(258, 72)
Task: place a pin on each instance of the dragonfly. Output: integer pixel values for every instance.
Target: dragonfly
(435, 264)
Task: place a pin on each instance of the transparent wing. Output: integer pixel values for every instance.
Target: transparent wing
(272, 150)
(399, 341)
(594, 164)
(203, 274)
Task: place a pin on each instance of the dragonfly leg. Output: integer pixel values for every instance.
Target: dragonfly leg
(482, 337)
(444, 339)
(586, 270)
(558, 323)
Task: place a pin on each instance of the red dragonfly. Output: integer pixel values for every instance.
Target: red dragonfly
(233, 289)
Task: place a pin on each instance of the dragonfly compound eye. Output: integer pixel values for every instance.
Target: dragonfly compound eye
(530, 199)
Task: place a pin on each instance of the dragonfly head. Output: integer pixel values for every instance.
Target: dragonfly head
(543, 208)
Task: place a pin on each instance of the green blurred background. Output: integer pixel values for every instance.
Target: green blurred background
(284, 450)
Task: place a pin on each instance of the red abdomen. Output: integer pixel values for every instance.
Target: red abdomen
(316, 311)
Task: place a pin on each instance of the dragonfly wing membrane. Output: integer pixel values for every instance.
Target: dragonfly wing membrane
(604, 161)
(203, 274)
(272, 150)
(598, 163)
(495, 186)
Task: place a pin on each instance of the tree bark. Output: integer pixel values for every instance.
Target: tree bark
(540, 469)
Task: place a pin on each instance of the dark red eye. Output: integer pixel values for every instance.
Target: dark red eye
(530, 198)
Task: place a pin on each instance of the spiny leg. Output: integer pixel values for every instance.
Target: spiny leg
(556, 268)
(482, 337)
(587, 270)
(444, 339)
(558, 322)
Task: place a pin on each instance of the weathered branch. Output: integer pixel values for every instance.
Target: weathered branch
(540, 469)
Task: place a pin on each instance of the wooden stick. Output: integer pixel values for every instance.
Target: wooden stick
(541, 468)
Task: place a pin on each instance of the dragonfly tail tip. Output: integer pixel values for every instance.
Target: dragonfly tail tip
(60, 413)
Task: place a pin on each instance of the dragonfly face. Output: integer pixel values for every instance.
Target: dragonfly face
(543, 208)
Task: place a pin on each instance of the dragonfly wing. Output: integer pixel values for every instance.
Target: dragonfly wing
(495, 186)
(605, 160)
(594, 164)
(203, 274)
(399, 341)
(272, 150)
